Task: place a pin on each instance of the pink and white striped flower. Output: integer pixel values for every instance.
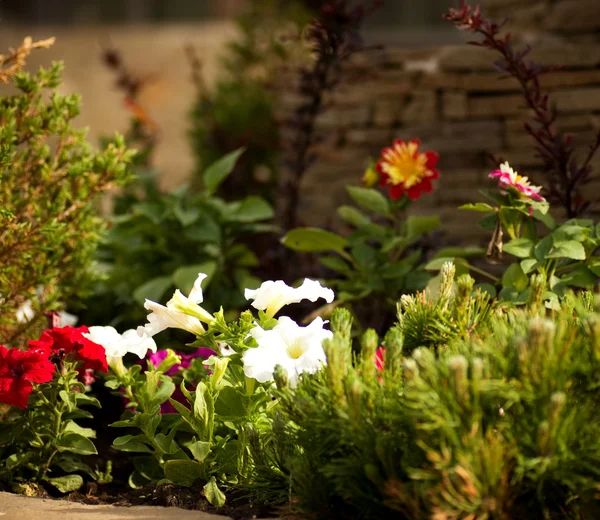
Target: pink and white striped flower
(509, 179)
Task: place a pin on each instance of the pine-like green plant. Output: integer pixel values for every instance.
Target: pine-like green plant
(488, 414)
(50, 179)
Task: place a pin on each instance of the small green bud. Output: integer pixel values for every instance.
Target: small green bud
(281, 377)
(458, 366)
(369, 345)
(341, 323)
(447, 275)
(411, 369)
(219, 368)
(169, 362)
(557, 401)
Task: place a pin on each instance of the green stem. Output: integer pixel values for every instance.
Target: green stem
(484, 273)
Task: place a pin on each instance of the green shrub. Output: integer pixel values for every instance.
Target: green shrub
(492, 415)
(50, 180)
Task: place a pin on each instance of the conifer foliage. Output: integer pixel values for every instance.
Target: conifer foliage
(50, 179)
(492, 417)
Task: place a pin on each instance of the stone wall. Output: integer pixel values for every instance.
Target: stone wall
(454, 101)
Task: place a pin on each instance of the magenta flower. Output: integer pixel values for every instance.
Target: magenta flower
(510, 180)
(186, 360)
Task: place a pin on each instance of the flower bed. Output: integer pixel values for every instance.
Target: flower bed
(408, 381)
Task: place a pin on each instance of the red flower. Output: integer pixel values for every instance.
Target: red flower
(69, 341)
(406, 170)
(380, 359)
(18, 370)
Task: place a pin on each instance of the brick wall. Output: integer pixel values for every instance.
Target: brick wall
(453, 100)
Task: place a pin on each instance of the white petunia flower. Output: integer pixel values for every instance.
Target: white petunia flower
(297, 349)
(117, 345)
(180, 313)
(161, 318)
(273, 295)
(189, 305)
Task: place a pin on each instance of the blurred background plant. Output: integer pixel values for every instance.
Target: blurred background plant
(50, 180)
(239, 111)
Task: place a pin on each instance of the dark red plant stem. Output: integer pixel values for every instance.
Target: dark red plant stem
(334, 37)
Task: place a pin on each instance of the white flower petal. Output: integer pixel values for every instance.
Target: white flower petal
(162, 318)
(196, 295)
(297, 349)
(273, 295)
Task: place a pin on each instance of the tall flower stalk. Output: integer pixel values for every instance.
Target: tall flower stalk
(566, 175)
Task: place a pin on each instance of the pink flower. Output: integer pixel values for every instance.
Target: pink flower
(510, 180)
(380, 359)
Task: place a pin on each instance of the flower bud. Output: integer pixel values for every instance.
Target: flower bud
(557, 401)
(411, 370)
(169, 362)
(458, 366)
(341, 323)
(280, 376)
(447, 274)
(219, 367)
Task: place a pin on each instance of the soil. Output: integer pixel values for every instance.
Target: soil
(165, 495)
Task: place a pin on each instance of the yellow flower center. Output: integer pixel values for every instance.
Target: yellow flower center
(404, 165)
(295, 349)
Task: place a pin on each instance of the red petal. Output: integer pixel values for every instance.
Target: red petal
(414, 192)
(432, 159)
(396, 191)
(398, 142)
(426, 186)
(416, 141)
(38, 370)
(434, 174)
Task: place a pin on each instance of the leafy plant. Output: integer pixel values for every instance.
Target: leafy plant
(162, 241)
(50, 181)
(41, 440)
(381, 258)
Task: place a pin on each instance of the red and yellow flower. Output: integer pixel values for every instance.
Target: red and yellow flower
(406, 170)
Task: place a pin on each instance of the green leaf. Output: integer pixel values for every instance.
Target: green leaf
(183, 472)
(544, 218)
(594, 265)
(218, 171)
(86, 399)
(229, 403)
(437, 263)
(580, 276)
(67, 483)
(479, 206)
(370, 199)
(416, 225)
(251, 209)
(462, 252)
(335, 263)
(515, 278)
(313, 240)
(213, 494)
(528, 265)
(131, 443)
(567, 249)
(152, 289)
(571, 232)
(353, 216)
(542, 248)
(72, 426)
(185, 276)
(76, 443)
(200, 450)
(488, 222)
(148, 467)
(519, 247)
